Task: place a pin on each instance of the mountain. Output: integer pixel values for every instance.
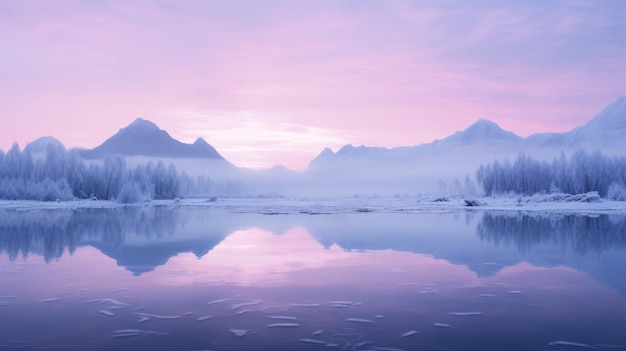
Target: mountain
(40, 145)
(480, 136)
(483, 131)
(606, 130)
(444, 164)
(144, 138)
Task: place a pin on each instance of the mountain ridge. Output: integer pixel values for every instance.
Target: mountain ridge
(606, 130)
(144, 138)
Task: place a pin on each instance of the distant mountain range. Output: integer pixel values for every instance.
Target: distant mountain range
(481, 142)
(605, 132)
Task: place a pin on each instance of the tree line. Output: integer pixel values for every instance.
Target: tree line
(64, 175)
(582, 172)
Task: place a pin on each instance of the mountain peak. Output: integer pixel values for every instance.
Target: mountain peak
(482, 130)
(142, 126)
(200, 142)
(484, 126)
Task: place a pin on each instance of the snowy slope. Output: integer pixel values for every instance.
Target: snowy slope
(605, 131)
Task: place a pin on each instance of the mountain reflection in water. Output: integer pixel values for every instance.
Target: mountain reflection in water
(205, 278)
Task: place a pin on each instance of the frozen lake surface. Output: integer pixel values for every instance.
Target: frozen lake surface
(312, 274)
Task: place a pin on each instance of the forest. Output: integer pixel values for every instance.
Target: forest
(582, 172)
(60, 175)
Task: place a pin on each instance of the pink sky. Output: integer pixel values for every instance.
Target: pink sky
(275, 82)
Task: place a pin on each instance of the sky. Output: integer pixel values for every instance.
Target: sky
(275, 82)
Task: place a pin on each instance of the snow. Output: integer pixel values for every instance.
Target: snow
(328, 206)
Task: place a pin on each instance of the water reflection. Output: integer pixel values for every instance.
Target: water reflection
(208, 279)
(595, 245)
(142, 238)
(580, 233)
(139, 238)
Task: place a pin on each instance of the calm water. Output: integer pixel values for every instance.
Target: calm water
(170, 278)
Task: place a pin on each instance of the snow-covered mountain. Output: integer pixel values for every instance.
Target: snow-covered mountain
(606, 131)
(144, 138)
(422, 167)
(482, 134)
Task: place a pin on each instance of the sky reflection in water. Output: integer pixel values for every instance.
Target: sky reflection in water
(198, 278)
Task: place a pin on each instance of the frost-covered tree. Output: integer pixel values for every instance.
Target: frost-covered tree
(581, 173)
(130, 193)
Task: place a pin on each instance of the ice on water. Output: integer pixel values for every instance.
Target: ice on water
(52, 299)
(463, 314)
(304, 305)
(570, 343)
(359, 320)
(282, 317)
(214, 302)
(283, 325)
(409, 333)
(107, 313)
(313, 341)
(126, 333)
(143, 315)
(239, 332)
(246, 304)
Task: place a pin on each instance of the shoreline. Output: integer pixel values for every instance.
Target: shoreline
(340, 205)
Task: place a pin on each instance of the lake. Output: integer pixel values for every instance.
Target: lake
(203, 278)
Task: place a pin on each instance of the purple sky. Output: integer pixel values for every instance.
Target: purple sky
(270, 82)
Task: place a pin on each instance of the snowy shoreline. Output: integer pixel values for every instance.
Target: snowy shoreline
(356, 205)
